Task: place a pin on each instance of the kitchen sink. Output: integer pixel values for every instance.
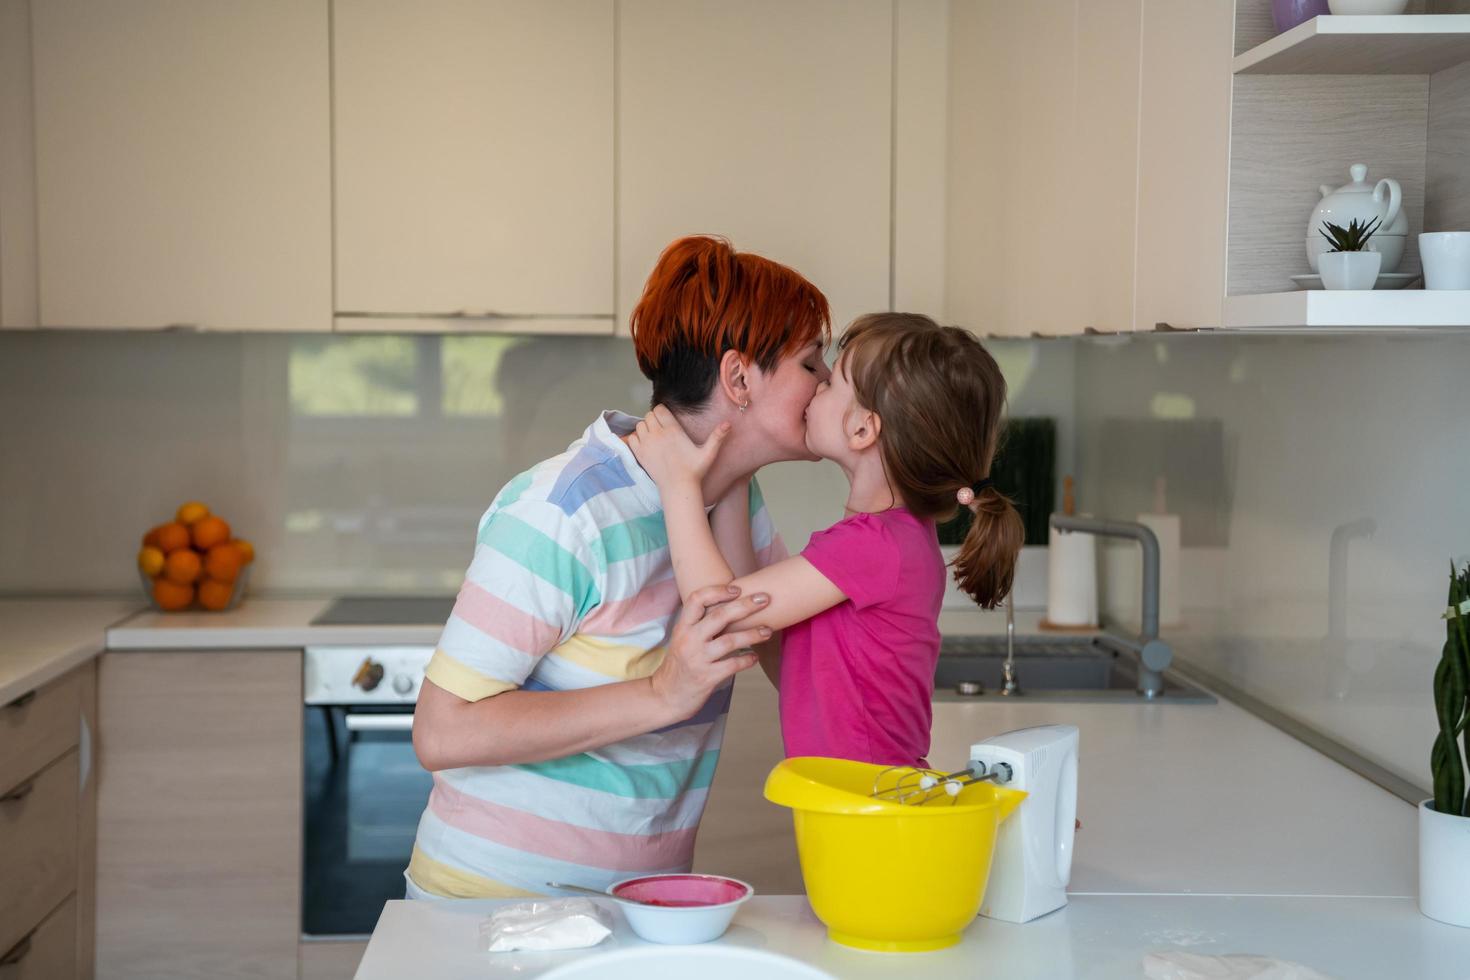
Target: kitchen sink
(1088, 669)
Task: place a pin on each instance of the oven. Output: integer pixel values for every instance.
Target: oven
(364, 788)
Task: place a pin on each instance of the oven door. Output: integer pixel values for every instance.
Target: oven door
(364, 794)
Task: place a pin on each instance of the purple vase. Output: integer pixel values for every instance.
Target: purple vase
(1289, 13)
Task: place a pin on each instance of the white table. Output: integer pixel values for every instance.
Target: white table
(1096, 936)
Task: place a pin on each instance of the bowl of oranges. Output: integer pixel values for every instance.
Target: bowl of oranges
(194, 561)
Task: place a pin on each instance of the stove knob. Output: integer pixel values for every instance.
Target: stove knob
(402, 683)
(369, 674)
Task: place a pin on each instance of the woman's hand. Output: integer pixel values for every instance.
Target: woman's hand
(667, 453)
(701, 656)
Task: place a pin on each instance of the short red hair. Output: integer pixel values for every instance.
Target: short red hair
(704, 298)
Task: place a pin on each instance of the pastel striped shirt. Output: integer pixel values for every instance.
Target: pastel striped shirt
(571, 587)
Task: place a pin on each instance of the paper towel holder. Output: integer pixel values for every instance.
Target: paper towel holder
(1088, 584)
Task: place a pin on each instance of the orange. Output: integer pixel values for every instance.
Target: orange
(150, 540)
(182, 567)
(172, 537)
(151, 561)
(246, 549)
(172, 596)
(191, 513)
(222, 563)
(210, 531)
(214, 594)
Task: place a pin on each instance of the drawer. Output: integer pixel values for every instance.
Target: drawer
(38, 847)
(37, 727)
(49, 952)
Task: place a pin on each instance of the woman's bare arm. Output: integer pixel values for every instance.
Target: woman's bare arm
(532, 726)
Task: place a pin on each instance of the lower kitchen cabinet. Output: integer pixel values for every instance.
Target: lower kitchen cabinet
(743, 834)
(47, 827)
(199, 814)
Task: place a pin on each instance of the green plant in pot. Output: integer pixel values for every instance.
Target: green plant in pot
(1348, 264)
(1444, 820)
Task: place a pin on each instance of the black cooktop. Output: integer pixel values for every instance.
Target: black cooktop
(386, 610)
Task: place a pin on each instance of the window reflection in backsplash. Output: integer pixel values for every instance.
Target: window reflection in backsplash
(352, 461)
(378, 498)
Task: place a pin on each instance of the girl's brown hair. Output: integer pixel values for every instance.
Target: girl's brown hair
(941, 400)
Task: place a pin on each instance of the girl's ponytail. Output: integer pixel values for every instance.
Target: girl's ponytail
(986, 565)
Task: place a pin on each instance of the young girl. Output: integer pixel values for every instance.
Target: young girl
(912, 415)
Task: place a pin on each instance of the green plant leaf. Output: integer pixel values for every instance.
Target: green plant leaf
(1353, 238)
(1451, 687)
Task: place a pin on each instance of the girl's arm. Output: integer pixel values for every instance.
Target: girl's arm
(677, 467)
(797, 590)
(731, 525)
(692, 548)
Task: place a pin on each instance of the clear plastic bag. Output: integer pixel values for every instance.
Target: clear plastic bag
(557, 923)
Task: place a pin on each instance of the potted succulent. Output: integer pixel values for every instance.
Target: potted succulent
(1348, 264)
(1444, 820)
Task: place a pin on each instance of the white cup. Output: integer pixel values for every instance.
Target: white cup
(1446, 257)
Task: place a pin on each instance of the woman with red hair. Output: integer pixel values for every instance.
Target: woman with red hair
(572, 714)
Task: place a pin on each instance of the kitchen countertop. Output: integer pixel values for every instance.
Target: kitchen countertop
(257, 623)
(1096, 937)
(41, 639)
(1206, 799)
(264, 623)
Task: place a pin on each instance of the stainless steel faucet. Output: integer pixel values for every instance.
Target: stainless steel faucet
(1010, 687)
(1154, 655)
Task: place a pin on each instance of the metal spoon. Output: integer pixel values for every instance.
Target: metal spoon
(597, 894)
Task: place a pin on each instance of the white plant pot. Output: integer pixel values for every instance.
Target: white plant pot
(1349, 270)
(1444, 865)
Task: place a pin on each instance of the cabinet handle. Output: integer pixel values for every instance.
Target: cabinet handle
(20, 792)
(23, 700)
(84, 756)
(18, 951)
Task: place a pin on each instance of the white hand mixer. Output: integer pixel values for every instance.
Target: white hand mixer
(1033, 849)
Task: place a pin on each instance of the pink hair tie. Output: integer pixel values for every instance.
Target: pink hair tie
(967, 495)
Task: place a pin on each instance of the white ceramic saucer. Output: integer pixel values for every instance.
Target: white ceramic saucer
(1386, 280)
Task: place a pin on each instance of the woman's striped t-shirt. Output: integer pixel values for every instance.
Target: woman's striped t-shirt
(571, 587)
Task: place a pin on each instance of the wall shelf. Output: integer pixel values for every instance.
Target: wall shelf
(1407, 44)
(1378, 310)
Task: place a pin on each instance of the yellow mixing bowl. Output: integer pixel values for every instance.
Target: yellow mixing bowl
(883, 875)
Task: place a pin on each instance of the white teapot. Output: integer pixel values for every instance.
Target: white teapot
(1362, 201)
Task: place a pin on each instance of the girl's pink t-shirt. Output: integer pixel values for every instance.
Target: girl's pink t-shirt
(856, 679)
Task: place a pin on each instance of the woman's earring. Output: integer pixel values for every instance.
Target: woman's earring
(742, 407)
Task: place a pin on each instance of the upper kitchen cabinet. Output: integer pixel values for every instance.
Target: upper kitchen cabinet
(1087, 163)
(17, 169)
(474, 164)
(1013, 86)
(1183, 163)
(182, 164)
(768, 122)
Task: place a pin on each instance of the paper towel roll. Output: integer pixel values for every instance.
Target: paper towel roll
(1166, 529)
(1071, 581)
